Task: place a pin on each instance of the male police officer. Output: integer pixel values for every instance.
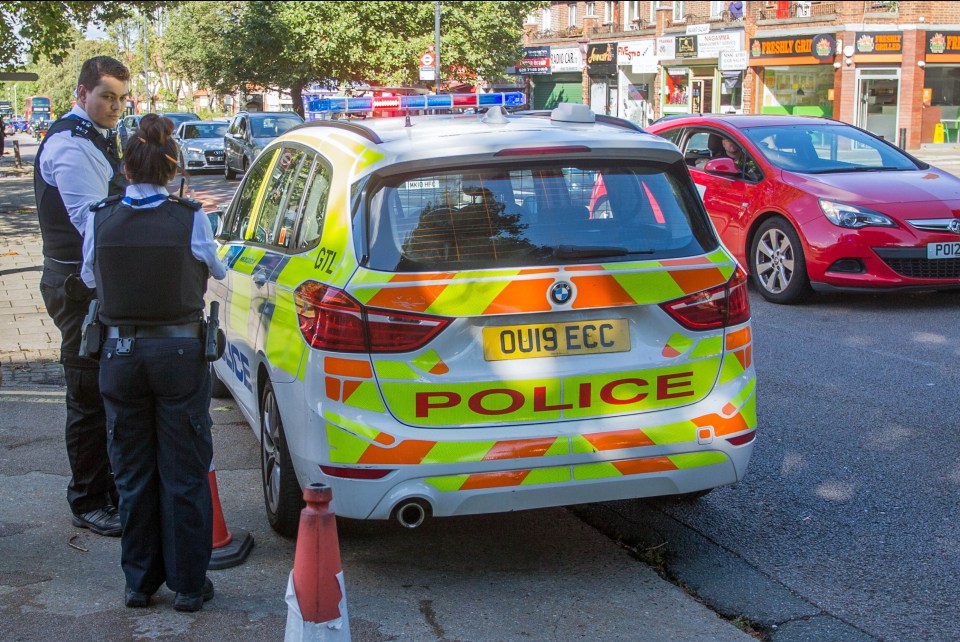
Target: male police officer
(77, 166)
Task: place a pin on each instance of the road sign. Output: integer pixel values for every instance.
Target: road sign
(426, 59)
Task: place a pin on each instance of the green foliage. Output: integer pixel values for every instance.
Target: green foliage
(288, 45)
(45, 29)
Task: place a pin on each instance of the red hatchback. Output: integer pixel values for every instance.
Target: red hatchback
(815, 204)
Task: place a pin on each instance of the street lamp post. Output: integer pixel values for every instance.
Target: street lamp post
(436, 43)
(584, 43)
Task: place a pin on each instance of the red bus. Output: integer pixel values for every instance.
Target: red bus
(37, 108)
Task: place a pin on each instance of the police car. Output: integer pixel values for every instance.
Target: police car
(425, 315)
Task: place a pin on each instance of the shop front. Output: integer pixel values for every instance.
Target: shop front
(796, 74)
(941, 86)
(637, 72)
(693, 81)
(604, 87)
(878, 57)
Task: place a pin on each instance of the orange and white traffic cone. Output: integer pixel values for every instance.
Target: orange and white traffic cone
(229, 549)
(316, 597)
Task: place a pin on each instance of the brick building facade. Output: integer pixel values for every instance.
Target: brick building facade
(892, 68)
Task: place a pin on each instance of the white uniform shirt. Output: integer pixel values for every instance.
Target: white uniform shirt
(76, 167)
(202, 245)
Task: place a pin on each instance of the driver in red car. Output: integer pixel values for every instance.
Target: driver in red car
(746, 165)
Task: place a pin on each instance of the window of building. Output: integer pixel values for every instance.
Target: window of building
(717, 9)
(608, 13)
(571, 15)
(546, 19)
(591, 9)
(678, 15)
(631, 13)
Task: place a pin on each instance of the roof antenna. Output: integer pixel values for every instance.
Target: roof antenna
(407, 123)
(495, 115)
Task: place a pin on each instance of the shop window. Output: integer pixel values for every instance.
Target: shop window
(800, 89)
(731, 91)
(944, 83)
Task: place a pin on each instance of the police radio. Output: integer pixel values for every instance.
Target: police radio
(214, 340)
(91, 332)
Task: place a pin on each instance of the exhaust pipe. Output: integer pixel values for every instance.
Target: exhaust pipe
(411, 513)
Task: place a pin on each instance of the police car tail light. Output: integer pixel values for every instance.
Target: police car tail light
(715, 308)
(330, 319)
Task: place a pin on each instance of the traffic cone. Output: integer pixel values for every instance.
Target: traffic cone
(316, 597)
(228, 549)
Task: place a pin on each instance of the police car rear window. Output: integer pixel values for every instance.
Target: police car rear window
(540, 214)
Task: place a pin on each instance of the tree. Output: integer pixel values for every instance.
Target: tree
(289, 45)
(43, 29)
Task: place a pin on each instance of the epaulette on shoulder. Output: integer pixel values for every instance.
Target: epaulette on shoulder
(194, 205)
(84, 129)
(110, 200)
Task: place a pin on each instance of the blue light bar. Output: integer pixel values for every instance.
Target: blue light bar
(415, 102)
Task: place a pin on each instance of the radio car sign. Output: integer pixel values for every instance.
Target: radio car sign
(565, 59)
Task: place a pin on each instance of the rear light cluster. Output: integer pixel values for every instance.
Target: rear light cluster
(331, 319)
(718, 307)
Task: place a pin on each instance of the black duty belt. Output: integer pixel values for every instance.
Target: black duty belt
(182, 331)
(61, 268)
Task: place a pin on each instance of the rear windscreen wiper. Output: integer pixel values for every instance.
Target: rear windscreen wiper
(588, 251)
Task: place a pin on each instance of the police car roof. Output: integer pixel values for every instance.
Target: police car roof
(435, 136)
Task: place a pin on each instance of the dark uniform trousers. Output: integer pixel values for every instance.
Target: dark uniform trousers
(91, 484)
(157, 402)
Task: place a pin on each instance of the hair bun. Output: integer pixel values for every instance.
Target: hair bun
(155, 128)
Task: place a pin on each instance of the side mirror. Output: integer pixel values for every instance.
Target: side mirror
(724, 166)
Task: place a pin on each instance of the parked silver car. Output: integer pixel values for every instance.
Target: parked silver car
(201, 145)
(249, 133)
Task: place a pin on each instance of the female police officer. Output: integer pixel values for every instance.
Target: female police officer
(149, 256)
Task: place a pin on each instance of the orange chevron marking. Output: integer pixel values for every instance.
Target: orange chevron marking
(349, 387)
(408, 277)
(600, 292)
(721, 425)
(729, 409)
(522, 296)
(495, 480)
(333, 388)
(410, 451)
(738, 339)
(385, 438)
(412, 299)
(618, 439)
(691, 281)
(517, 448)
(741, 356)
(690, 260)
(669, 352)
(440, 369)
(347, 367)
(645, 465)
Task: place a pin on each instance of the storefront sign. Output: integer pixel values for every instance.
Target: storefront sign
(819, 48)
(695, 30)
(710, 45)
(565, 60)
(733, 60)
(878, 43)
(535, 61)
(943, 42)
(666, 48)
(686, 46)
(602, 58)
(639, 55)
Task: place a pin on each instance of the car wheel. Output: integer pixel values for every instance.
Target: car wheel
(281, 491)
(219, 390)
(777, 264)
(228, 173)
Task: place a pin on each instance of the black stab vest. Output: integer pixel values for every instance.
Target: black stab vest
(61, 240)
(145, 272)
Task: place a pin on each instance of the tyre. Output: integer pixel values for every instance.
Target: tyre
(219, 389)
(228, 173)
(282, 496)
(777, 264)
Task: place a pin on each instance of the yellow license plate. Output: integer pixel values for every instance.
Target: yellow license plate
(555, 339)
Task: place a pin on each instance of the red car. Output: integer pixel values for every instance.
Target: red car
(815, 204)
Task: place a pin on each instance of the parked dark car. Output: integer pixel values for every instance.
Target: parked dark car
(249, 133)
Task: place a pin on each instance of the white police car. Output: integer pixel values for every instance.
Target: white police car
(456, 314)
